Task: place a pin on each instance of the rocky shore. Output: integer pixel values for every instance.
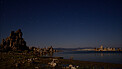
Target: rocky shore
(28, 61)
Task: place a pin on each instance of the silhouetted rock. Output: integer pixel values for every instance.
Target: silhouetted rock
(14, 42)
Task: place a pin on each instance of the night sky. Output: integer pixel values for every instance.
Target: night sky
(63, 23)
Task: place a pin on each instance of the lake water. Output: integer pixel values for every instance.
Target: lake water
(108, 57)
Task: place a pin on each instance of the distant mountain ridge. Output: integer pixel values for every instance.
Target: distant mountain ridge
(72, 48)
(69, 49)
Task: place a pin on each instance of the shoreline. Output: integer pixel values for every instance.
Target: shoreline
(23, 61)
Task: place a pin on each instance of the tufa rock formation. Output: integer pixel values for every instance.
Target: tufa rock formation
(14, 42)
(43, 51)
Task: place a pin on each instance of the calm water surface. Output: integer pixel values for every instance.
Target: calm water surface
(109, 57)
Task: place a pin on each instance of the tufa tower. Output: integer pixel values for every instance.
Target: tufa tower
(14, 42)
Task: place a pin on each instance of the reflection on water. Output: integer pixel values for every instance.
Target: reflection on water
(107, 54)
(109, 57)
(48, 54)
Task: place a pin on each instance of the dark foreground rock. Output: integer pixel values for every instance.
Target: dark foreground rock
(29, 61)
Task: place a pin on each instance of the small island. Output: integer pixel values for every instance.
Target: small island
(100, 49)
(107, 49)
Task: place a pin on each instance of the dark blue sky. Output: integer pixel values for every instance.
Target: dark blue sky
(63, 23)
